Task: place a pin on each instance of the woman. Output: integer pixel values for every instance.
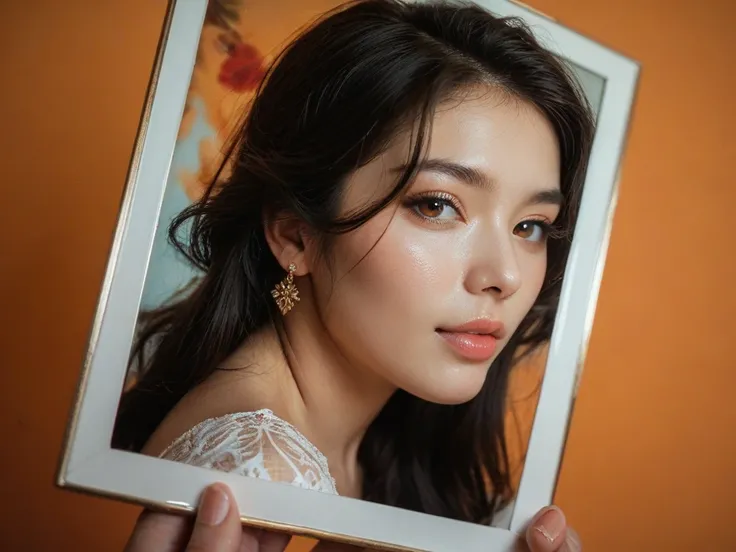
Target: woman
(388, 241)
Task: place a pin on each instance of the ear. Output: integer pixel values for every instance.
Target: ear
(287, 237)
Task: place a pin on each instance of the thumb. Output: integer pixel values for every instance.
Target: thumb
(547, 531)
(217, 527)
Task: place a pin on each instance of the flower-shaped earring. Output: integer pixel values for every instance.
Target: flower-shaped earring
(286, 293)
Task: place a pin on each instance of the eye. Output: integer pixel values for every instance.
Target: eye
(532, 230)
(435, 208)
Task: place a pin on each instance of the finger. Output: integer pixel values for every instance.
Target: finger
(572, 542)
(274, 542)
(259, 540)
(158, 532)
(547, 531)
(217, 527)
(250, 538)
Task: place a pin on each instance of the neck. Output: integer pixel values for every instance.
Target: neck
(305, 379)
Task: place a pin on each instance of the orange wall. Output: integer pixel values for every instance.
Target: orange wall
(651, 461)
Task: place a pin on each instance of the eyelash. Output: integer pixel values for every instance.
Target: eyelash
(550, 230)
(440, 197)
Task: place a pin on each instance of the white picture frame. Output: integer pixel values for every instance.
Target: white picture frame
(89, 464)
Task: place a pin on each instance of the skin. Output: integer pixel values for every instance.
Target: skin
(466, 242)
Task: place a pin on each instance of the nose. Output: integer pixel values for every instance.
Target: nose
(495, 269)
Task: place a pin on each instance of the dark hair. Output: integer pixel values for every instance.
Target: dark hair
(330, 103)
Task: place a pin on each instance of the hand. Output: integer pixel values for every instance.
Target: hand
(548, 532)
(217, 528)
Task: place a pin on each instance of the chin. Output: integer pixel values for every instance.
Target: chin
(452, 400)
(452, 391)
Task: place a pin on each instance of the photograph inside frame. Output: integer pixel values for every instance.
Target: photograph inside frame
(298, 333)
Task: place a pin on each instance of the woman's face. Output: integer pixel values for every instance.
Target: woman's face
(427, 293)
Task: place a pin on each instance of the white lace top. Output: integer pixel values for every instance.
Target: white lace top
(254, 444)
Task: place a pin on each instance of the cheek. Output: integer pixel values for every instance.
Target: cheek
(537, 269)
(386, 293)
(389, 261)
(534, 269)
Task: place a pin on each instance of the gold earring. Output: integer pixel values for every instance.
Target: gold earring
(286, 293)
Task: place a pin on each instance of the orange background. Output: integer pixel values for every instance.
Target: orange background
(651, 460)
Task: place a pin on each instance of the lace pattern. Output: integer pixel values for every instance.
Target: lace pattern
(254, 444)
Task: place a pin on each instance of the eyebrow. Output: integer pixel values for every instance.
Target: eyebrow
(477, 179)
(553, 196)
(463, 173)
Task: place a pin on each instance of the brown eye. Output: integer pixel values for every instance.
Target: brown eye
(436, 209)
(431, 207)
(532, 230)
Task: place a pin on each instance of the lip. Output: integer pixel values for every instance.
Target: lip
(476, 340)
(482, 326)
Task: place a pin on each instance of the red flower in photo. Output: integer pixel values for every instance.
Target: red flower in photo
(243, 69)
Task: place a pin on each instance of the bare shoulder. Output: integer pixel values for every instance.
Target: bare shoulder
(188, 413)
(213, 399)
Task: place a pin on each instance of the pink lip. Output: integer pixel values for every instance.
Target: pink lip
(476, 340)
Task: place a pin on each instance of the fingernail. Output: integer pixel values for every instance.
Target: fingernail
(214, 506)
(551, 524)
